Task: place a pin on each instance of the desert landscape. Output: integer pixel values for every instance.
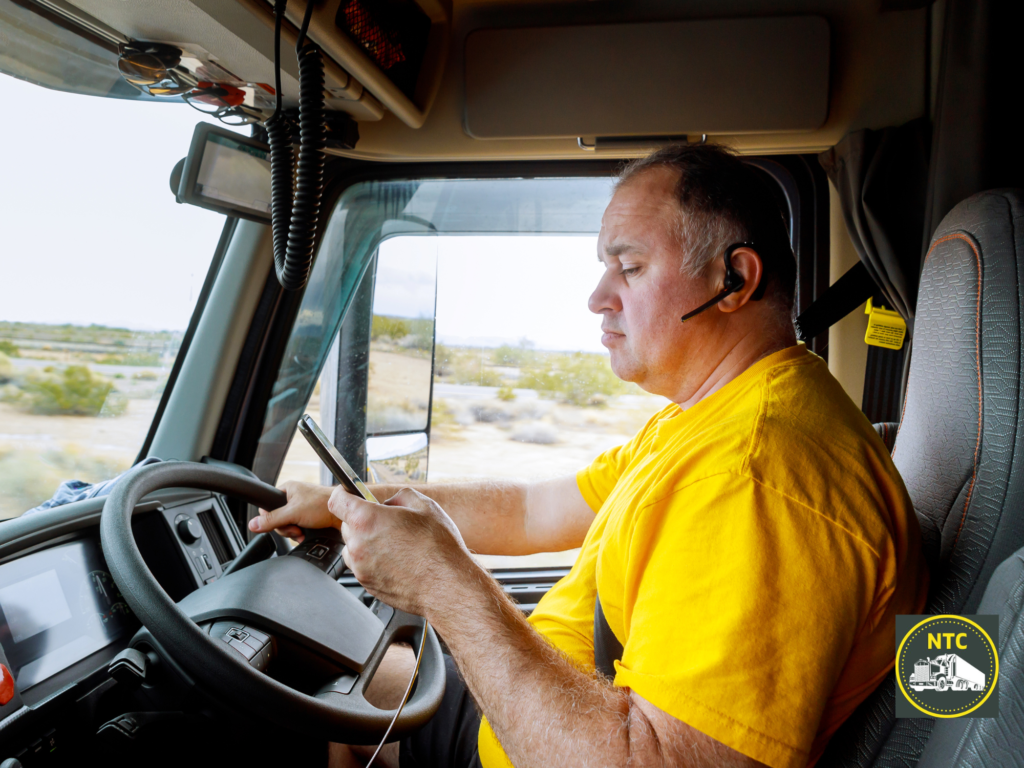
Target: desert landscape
(76, 403)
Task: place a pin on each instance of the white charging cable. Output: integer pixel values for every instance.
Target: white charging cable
(405, 698)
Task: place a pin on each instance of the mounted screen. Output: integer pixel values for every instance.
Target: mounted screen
(227, 173)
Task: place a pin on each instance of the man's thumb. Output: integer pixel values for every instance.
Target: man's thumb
(264, 522)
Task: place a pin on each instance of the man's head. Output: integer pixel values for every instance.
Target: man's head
(663, 240)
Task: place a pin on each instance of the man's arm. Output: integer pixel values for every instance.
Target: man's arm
(500, 517)
(544, 710)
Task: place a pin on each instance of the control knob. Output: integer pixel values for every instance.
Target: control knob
(189, 530)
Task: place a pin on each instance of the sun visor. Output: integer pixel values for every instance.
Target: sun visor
(48, 53)
(668, 78)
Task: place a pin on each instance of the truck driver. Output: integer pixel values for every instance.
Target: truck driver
(743, 556)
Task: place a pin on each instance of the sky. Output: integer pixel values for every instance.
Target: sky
(90, 233)
(89, 229)
(493, 290)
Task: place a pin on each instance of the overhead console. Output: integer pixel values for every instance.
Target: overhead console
(722, 76)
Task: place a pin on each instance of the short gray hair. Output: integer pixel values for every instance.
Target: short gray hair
(722, 200)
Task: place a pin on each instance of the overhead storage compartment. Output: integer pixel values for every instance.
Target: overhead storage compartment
(667, 78)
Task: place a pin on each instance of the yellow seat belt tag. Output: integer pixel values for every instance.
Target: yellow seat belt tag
(886, 328)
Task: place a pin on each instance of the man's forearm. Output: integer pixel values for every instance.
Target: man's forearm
(490, 515)
(544, 710)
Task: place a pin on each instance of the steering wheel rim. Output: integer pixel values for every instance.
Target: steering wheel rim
(346, 718)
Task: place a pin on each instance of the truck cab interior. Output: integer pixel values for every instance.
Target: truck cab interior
(428, 307)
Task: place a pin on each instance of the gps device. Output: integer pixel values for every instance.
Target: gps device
(332, 459)
(225, 172)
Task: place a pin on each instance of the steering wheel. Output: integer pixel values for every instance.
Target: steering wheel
(289, 599)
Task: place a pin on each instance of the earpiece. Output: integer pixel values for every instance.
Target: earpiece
(732, 282)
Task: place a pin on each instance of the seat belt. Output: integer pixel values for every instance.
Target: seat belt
(842, 297)
(607, 648)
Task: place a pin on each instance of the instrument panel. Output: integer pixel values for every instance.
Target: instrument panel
(58, 606)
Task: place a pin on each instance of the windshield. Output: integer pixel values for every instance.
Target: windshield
(101, 272)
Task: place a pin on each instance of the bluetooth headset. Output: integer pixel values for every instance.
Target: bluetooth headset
(732, 283)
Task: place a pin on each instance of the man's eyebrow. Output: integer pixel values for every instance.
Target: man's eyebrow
(620, 248)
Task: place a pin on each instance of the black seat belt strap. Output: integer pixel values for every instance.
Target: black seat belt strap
(842, 297)
(607, 648)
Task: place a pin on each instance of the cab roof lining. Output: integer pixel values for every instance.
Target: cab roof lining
(877, 70)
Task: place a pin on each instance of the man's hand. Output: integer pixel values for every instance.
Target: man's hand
(404, 551)
(306, 507)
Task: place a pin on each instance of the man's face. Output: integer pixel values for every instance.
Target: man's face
(643, 292)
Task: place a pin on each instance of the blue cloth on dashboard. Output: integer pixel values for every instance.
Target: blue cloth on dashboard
(79, 490)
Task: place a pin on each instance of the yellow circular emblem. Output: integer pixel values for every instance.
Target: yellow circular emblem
(947, 666)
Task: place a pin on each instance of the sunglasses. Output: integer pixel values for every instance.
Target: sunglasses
(154, 70)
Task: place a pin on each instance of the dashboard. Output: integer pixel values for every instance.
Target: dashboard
(62, 617)
(58, 606)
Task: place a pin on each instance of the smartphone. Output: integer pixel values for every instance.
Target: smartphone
(333, 460)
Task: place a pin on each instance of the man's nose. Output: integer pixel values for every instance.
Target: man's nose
(604, 298)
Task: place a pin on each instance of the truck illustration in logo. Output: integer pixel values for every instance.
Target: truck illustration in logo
(947, 672)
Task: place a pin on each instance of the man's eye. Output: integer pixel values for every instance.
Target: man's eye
(629, 271)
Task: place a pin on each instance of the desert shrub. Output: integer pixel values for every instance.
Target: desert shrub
(577, 378)
(131, 358)
(75, 391)
(506, 395)
(515, 357)
(489, 414)
(394, 416)
(465, 365)
(145, 376)
(538, 433)
(389, 327)
(6, 368)
(9, 348)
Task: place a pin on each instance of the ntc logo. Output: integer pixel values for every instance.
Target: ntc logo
(955, 684)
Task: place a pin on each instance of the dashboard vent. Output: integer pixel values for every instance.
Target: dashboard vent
(215, 536)
(392, 32)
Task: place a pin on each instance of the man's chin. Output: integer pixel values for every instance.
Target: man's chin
(626, 368)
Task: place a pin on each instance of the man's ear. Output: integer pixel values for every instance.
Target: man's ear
(748, 264)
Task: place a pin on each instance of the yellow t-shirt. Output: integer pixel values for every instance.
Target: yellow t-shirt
(751, 553)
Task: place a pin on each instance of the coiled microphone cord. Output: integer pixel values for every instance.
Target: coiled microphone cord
(294, 219)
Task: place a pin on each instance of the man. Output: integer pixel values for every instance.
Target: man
(743, 556)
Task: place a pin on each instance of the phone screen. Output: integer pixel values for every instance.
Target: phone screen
(333, 459)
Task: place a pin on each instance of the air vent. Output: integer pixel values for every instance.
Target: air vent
(215, 536)
(392, 32)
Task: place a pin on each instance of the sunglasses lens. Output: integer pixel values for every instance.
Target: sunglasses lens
(154, 90)
(209, 106)
(238, 118)
(141, 68)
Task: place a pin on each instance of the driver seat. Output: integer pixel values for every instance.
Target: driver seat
(960, 446)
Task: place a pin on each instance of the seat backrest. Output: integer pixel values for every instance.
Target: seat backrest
(965, 742)
(960, 445)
